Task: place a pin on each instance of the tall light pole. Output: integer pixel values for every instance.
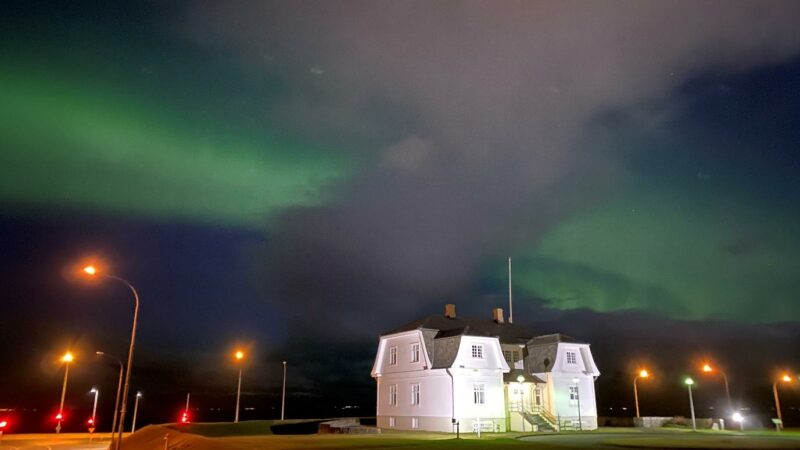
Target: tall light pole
(283, 395)
(92, 271)
(94, 408)
(239, 355)
(136, 410)
(66, 359)
(689, 382)
(642, 374)
(578, 394)
(119, 390)
(520, 380)
(708, 369)
(786, 379)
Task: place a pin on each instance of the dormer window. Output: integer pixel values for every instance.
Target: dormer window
(414, 353)
(393, 356)
(572, 358)
(477, 351)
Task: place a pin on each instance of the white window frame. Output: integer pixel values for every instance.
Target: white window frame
(479, 394)
(415, 423)
(572, 357)
(392, 395)
(415, 393)
(392, 422)
(477, 351)
(574, 394)
(392, 356)
(415, 352)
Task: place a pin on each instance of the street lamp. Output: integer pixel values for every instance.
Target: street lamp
(738, 418)
(135, 410)
(689, 382)
(94, 408)
(119, 389)
(66, 359)
(786, 379)
(642, 374)
(283, 394)
(708, 369)
(239, 355)
(93, 271)
(576, 380)
(520, 380)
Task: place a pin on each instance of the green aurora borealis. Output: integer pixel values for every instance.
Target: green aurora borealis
(97, 148)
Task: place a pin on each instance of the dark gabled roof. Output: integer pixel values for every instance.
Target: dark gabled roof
(507, 333)
(555, 338)
(514, 374)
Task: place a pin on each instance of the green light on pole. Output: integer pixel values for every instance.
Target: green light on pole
(689, 382)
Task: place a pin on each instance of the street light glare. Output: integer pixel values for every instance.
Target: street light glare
(707, 368)
(786, 378)
(688, 381)
(239, 354)
(90, 270)
(737, 417)
(644, 373)
(67, 358)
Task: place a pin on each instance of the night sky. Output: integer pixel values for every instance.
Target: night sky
(298, 177)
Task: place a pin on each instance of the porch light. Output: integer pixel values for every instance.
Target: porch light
(520, 379)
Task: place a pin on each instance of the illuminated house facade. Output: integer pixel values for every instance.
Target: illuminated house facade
(441, 370)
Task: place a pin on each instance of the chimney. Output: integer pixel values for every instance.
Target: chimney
(497, 315)
(450, 311)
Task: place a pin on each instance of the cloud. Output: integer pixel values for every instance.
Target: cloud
(497, 100)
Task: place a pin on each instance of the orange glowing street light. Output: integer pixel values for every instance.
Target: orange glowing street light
(66, 359)
(786, 379)
(239, 355)
(92, 271)
(707, 368)
(642, 374)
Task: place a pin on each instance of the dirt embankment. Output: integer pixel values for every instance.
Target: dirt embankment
(160, 437)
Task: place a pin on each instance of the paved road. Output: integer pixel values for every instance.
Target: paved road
(66, 441)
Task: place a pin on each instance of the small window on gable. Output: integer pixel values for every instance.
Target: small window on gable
(477, 351)
(572, 358)
(414, 352)
(508, 357)
(393, 356)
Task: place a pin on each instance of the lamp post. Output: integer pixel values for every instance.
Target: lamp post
(119, 389)
(283, 394)
(689, 382)
(94, 408)
(578, 395)
(92, 271)
(135, 410)
(66, 359)
(521, 380)
(786, 379)
(642, 374)
(708, 369)
(239, 355)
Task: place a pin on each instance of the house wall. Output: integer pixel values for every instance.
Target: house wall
(562, 378)
(434, 410)
(488, 371)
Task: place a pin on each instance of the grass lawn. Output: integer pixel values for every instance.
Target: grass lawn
(259, 435)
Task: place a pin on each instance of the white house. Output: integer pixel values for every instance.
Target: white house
(444, 370)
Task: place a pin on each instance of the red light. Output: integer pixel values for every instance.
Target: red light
(185, 417)
(59, 416)
(3, 424)
(90, 421)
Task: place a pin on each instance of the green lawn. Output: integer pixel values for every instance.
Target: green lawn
(254, 435)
